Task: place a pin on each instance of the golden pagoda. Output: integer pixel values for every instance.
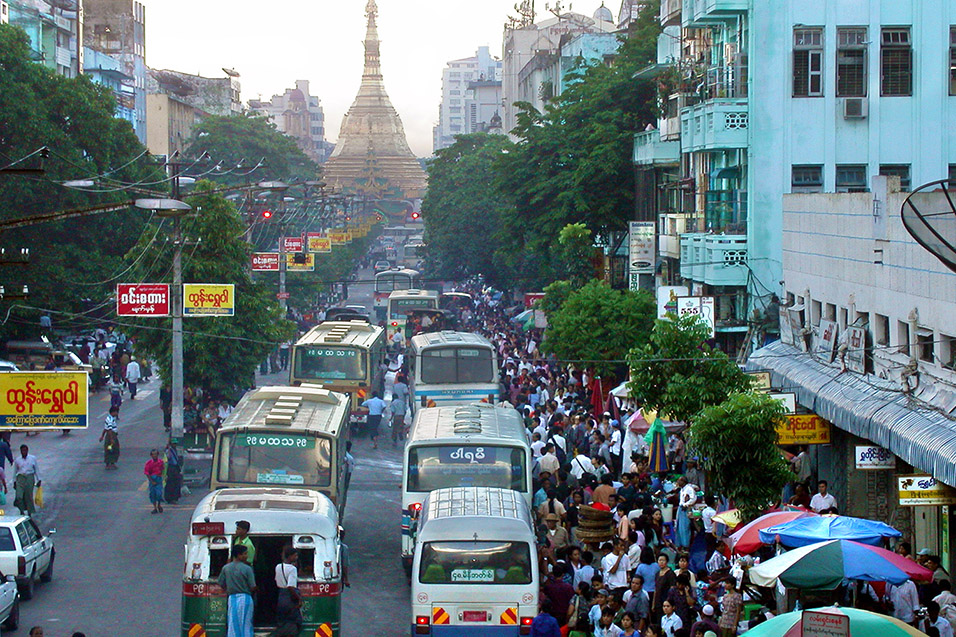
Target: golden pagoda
(372, 156)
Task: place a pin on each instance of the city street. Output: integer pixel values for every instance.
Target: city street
(119, 567)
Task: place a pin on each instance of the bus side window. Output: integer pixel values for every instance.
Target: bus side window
(217, 559)
(306, 562)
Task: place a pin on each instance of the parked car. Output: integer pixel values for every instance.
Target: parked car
(26, 552)
(9, 603)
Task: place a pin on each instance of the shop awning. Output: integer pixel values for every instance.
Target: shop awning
(868, 407)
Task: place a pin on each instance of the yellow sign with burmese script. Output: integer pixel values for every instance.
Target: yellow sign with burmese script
(43, 400)
(209, 299)
(340, 238)
(803, 429)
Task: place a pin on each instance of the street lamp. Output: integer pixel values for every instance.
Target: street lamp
(177, 210)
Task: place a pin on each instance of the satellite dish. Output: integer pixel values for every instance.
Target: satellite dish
(230, 72)
(931, 219)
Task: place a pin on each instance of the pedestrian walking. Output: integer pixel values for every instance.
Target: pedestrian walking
(133, 374)
(289, 605)
(174, 475)
(154, 475)
(239, 582)
(110, 439)
(26, 476)
(398, 407)
(376, 407)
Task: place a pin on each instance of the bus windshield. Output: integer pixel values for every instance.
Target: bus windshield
(440, 467)
(391, 281)
(274, 457)
(400, 308)
(456, 365)
(329, 363)
(470, 562)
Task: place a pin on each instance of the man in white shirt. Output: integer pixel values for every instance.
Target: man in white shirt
(905, 601)
(288, 614)
(615, 566)
(133, 374)
(823, 502)
(616, 440)
(581, 465)
(537, 445)
(26, 476)
(549, 461)
(939, 623)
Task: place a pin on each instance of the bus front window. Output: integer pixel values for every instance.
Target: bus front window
(329, 363)
(451, 365)
(431, 468)
(470, 562)
(274, 458)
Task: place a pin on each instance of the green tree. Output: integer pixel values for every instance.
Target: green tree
(737, 440)
(74, 263)
(463, 208)
(678, 373)
(576, 242)
(555, 295)
(221, 353)
(597, 326)
(249, 139)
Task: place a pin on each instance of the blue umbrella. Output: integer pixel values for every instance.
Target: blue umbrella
(814, 529)
(656, 438)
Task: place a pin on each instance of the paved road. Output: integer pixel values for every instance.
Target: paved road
(119, 568)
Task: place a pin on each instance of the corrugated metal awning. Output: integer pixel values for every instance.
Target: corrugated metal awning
(865, 406)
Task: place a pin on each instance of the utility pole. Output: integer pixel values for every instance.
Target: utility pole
(283, 303)
(177, 431)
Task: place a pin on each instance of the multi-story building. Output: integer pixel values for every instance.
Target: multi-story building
(4, 12)
(108, 71)
(55, 29)
(299, 115)
(455, 116)
(483, 105)
(629, 12)
(117, 28)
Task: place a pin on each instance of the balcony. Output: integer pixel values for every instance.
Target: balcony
(714, 259)
(718, 124)
(669, 246)
(670, 128)
(705, 12)
(649, 150)
(725, 210)
(670, 13)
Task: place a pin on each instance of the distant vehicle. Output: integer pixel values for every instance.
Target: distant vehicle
(347, 313)
(36, 354)
(381, 266)
(387, 281)
(7, 366)
(452, 368)
(24, 550)
(401, 303)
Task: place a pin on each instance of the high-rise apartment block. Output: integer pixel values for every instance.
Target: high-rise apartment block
(299, 115)
(467, 108)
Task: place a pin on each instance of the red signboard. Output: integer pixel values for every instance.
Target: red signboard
(293, 244)
(265, 261)
(142, 299)
(209, 528)
(282, 295)
(530, 298)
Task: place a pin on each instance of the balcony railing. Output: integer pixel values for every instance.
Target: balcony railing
(650, 150)
(714, 259)
(718, 124)
(670, 12)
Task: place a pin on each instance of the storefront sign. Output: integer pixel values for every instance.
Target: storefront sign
(292, 244)
(209, 299)
(702, 306)
(340, 238)
(824, 341)
(924, 490)
(821, 624)
(788, 399)
(856, 349)
(803, 429)
(640, 254)
(667, 298)
(145, 299)
(320, 244)
(43, 400)
(265, 261)
(292, 266)
(759, 381)
(872, 457)
(530, 298)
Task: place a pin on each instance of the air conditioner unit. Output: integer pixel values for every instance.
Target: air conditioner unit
(855, 108)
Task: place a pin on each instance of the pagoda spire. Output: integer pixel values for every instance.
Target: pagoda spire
(373, 57)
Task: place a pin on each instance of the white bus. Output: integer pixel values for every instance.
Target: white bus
(390, 280)
(401, 303)
(452, 368)
(475, 445)
(475, 570)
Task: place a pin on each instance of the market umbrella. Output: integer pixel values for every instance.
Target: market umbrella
(657, 455)
(611, 406)
(814, 529)
(730, 517)
(746, 539)
(823, 566)
(863, 623)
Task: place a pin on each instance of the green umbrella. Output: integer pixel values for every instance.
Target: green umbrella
(863, 623)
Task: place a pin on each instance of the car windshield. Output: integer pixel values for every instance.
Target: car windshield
(470, 562)
(273, 457)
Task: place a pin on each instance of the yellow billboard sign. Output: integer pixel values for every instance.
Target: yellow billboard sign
(320, 244)
(209, 299)
(924, 490)
(340, 238)
(292, 266)
(803, 429)
(43, 400)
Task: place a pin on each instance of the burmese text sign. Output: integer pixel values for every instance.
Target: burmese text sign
(43, 400)
(292, 244)
(924, 490)
(265, 261)
(319, 243)
(292, 266)
(209, 299)
(824, 624)
(803, 429)
(142, 299)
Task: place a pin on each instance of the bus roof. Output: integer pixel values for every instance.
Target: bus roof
(355, 333)
(271, 511)
(445, 513)
(304, 408)
(448, 337)
(413, 293)
(476, 420)
(393, 271)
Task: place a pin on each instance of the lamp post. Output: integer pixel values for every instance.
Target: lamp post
(177, 210)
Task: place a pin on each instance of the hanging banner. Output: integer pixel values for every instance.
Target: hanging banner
(824, 341)
(265, 262)
(320, 244)
(292, 244)
(43, 400)
(640, 253)
(759, 381)
(924, 490)
(209, 299)
(142, 299)
(803, 429)
(787, 399)
(292, 266)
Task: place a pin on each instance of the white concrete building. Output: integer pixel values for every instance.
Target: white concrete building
(298, 114)
(455, 117)
(4, 12)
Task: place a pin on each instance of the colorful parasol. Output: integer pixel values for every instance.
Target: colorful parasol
(863, 623)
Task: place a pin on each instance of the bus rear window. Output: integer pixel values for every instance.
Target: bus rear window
(329, 363)
(6, 540)
(431, 468)
(470, 562)
(455, 365)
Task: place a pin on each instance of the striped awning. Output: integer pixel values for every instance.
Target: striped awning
(866, 406)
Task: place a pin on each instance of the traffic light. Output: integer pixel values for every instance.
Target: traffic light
(267, 214)
(416, 215)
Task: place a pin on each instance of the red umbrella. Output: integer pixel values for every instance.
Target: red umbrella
(597, 398)
(746, 539)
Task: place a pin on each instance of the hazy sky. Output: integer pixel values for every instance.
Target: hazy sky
(272, 43)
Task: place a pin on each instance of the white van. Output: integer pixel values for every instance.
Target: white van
(475, 565)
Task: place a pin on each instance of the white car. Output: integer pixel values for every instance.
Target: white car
(25, 552)
(9, 603)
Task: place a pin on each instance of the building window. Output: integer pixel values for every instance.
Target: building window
(851, 63)
(952, 60)
(947, 351)
(830, 313)
(851, 178)
(881, 331)
(896, 63)
(806, 179)
(925, 345)
(815, 310)
(807, 62)
(903, 337)
(898, 170)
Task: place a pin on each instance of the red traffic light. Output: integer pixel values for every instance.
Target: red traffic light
(415, 215)
(267, 214)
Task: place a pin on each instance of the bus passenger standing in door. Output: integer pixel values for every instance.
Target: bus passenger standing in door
(239, 582)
